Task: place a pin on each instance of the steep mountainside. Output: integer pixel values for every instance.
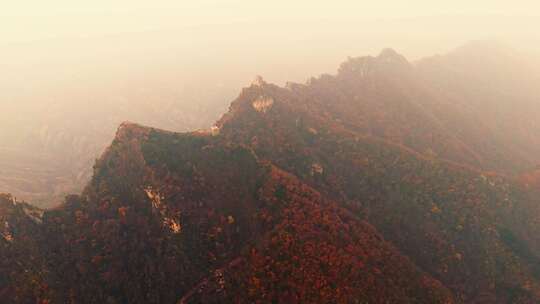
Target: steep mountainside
(477, 105)
(474, 231)
(49, 143)
(22, 264)
(352, 188)
(170, 216)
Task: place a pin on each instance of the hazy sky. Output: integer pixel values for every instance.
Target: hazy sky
(201, 40)
(27, 20)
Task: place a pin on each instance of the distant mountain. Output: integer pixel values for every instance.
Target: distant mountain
(50, 145)
(370, 186)
(492, 105)
(477, 105)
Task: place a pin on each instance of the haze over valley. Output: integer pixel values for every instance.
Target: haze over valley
(388, 153)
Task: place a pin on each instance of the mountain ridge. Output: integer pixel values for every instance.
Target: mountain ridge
(322, 192)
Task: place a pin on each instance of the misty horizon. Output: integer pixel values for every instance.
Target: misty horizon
(225, 151)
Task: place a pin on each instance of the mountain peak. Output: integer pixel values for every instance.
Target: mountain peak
(128, 130)
(389, 55)
(258, 81)
(387, 61)
(6, 200)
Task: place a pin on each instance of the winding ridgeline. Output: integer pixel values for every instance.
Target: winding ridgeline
(389, 182)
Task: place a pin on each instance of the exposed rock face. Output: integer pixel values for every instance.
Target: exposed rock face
(316, 168)
(263, 104)
(6, 232)
(214, 131)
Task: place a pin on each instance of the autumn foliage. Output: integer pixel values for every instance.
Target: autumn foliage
(331, 192)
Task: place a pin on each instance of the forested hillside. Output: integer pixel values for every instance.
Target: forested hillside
(384, 183)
